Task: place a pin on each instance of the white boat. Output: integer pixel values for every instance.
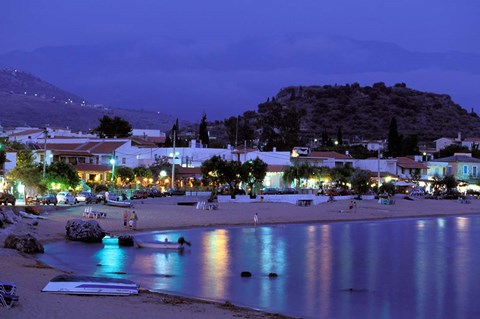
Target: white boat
(87, 285)
(179, 245)
(160, 245)
(118, 203)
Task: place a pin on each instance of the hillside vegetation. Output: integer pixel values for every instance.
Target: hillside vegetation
(295, 116)
(366, 112)
(307, 115)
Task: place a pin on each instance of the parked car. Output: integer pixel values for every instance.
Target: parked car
(288, 190)
(226, 191)
(85, 197)
(270, 191)
(139, 194)
(6, 199)
(47, 199)
(174, 192)
(154, 193)
(66, 198)
(417, 192)
(111, 196)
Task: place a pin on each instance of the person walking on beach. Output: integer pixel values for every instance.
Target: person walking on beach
(255, 219)
(134, 220)
(126, 216)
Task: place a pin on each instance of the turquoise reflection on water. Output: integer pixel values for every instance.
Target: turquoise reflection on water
(111, 259)
(417, 268)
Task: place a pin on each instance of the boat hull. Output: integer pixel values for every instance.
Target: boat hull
(160, 245)
(118, 203)
(87, 285)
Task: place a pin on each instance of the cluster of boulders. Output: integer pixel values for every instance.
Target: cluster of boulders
(8, 217)
(249, 274)
(86, 231)
(24, 243)
(126, 240)
(76, 229)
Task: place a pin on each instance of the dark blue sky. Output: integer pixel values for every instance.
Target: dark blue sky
(216, 42)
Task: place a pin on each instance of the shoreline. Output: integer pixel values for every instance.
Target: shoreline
(164, 214)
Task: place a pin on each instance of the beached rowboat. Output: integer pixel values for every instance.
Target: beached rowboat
(87, 285)
(118, 203)
(160, 245)
(179, 245)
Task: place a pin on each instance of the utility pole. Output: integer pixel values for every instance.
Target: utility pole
(378, 168)
(245, 149)
(173, 157)
(236, 135)
(45, 131)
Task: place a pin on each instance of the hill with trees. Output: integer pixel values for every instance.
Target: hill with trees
(296, 116)
(318, 115)
(366, 112)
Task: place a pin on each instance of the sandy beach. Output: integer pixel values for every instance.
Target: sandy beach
(164, 213)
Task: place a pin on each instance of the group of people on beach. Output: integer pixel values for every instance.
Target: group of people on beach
(130, 220)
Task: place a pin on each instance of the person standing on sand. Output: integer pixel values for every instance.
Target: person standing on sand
(126, 216)
(134, 220)
(255, 219)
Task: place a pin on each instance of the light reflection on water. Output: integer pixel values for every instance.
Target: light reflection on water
(418, 268)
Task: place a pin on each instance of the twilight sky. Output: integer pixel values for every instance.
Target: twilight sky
(225, 57)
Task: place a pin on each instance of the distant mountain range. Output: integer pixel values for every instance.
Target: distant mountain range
(26, 100)
(186, 78)
(362, 112)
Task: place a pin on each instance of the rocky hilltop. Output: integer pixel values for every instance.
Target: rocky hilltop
(26, 100)
(366, 112)
(360, 112)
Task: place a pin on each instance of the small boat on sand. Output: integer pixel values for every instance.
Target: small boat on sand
(179, 245)
(118, 203)
(88, 285)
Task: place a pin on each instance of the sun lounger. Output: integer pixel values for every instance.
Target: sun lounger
(94, 214)
(304, 202)
(7, 287)
(7, 300)
(207, 206)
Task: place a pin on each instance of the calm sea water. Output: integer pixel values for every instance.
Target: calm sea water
(416, 268)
